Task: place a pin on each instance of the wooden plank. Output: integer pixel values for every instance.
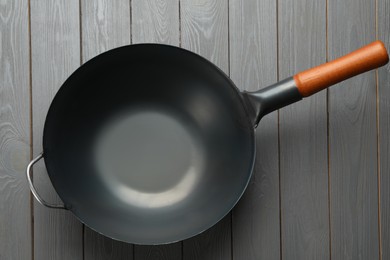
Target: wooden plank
(105, 25)
(253, 64)
(353, 138)
(303, 135)
(15, 217)
(55, 55)
(157, 22)
(214, 243)
(161, 252)
(204, 30)
(384, 130)
(99, 247)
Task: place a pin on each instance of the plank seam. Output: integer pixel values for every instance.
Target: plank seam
(228, 34)
(327, 130)
(81, 62)
(131, 42)
(131, 20)
(31, 124)
(229, 65)
(81, 33)
(377, 141)
(179, 8)
(179, 17)
(278, 119)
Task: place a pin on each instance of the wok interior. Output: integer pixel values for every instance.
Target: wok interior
(148, 144)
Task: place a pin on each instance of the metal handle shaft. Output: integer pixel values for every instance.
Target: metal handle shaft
(32, 188)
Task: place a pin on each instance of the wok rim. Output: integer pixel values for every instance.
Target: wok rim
(232, 85)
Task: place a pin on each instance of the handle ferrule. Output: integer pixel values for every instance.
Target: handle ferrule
(272, 98)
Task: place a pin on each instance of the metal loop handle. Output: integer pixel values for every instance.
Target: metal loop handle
(32, 188)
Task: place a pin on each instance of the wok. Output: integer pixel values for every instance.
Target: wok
(151, 144)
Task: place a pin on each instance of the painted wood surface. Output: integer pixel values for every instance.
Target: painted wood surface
(160, 252)
(55, 51)
(383, 98)
(253, 65)
(303, 135)
(104, 25)
(15, 217)
(289, 215)
(353, 138)
(99, 247)
(204, 30)
(156, 21)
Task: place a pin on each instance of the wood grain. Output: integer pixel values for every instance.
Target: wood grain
(213, 243)
(105, 25)
(204, 30)
(383, 97)
(99, 247)
(161, 252)
(303, 135)
(352, 138)
(157, 22)
(253, 65)
(55, 47)
(15, 217)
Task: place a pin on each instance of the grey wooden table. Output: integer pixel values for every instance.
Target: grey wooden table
(321, 187)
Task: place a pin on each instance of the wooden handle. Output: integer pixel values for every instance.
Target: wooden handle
(369, 57)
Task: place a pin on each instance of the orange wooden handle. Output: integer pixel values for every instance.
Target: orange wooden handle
(369, 57)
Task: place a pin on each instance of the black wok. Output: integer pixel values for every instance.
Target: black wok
(152, 144)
